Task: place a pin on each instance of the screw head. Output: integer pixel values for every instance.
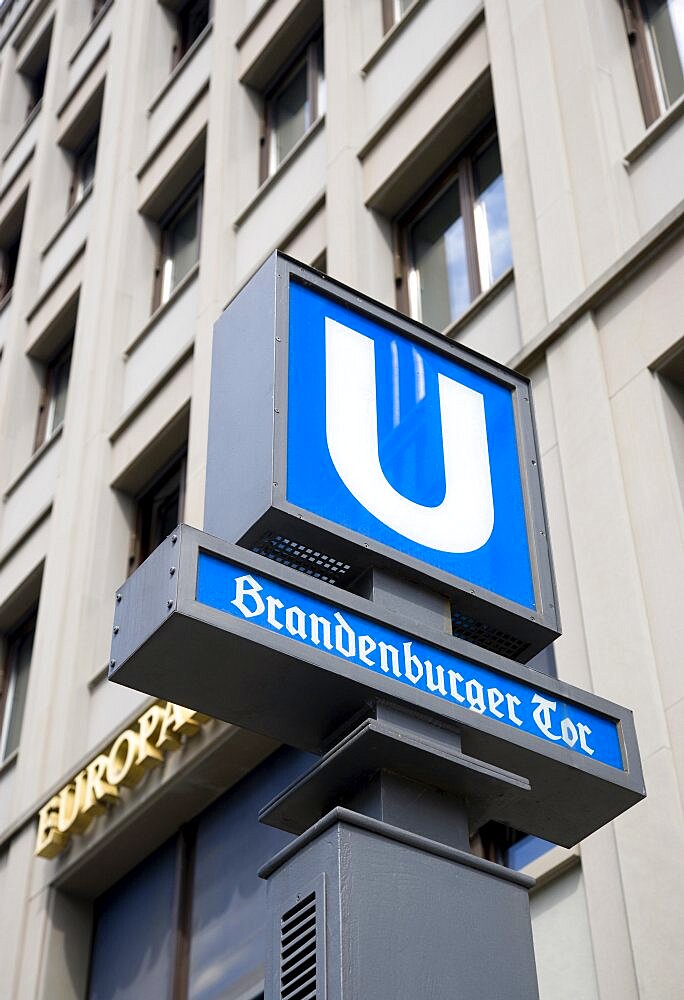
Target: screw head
(172, 570)
(174, 539)
(169, 604)
(115, 630)
(112, 663)
(118, 598)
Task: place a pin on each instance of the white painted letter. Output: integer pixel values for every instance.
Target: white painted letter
(343, 630)
(246, 586)
(542, 714)
(366, 646)
(272, 603)
(295, 622)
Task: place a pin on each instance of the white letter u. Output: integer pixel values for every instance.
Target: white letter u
(464, 520)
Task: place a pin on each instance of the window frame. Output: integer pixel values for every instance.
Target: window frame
(13, 640)
(459, 168)
(45, 430)
(193, 191)
(636, 25)
(306, 54)
(141, 542)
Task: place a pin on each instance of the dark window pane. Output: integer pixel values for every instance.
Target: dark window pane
(228, 936)
(192, 20)
(441, 289)
(665, 24)
(18, 663)
(289, 115)
(134, 938)
(491, 217)
(161, 508)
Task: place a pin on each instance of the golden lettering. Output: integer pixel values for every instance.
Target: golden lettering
(97, 791)
(134, 751)
(49, 841)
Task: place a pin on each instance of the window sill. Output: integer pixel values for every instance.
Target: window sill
(22, 131)
(478, 304)
(551, 864)
(33, 461)
(178, 68)
(654, 132)
(186, 280)
(9, 762)
(94, 25)
(390, 35)
(281, 169)
(73, 211)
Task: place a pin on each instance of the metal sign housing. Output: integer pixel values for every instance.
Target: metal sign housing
(344, 435)
(227, 632)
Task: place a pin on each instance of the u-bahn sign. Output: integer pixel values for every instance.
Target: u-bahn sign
(345, 439)
(232, 634)
(343, 436)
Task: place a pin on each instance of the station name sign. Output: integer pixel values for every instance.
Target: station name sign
(132, 754)
(308, 621)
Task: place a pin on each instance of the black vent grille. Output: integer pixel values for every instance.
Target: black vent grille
(303, 558)
(487, 636)
(298, 951)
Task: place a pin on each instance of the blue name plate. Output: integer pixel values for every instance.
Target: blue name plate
(308, 621)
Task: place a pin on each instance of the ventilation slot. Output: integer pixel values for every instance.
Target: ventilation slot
(303, 558)
(487, 636)
(298, 951)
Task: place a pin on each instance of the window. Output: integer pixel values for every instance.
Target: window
(655, 29)
(506, 846)
(393, 11)
(9, 256)
(179, 243)
(35, 83)
(191, 20)
(292, 105)
(53, 398)
(190, 921)
(84, 171)
(454, 241)
(159, 510)
(13, 686)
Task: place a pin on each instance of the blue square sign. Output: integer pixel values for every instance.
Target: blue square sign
(405, 445)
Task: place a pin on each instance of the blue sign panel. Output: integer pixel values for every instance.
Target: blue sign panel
(405, 446)
(307, 621)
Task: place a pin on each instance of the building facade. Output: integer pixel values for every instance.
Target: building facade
(509, 172)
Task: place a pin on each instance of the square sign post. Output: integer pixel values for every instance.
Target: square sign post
(374, 574)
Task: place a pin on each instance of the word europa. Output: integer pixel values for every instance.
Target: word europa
(132, 754)
(315, 624)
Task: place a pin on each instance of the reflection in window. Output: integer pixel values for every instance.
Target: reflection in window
(664, 21)
(455, 240)
(295, 102)
(190, 921)
(393, 11)
(179, 244)
(84, 171)
(655, 29)
(53, 402)
(14, 684)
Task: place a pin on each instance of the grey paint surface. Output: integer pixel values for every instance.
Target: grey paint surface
(234, 670)
(402, 917)
(250, 376)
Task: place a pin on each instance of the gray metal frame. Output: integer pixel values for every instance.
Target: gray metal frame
(246, 481)
(167, 644)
